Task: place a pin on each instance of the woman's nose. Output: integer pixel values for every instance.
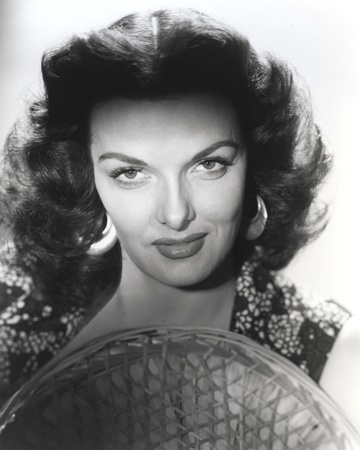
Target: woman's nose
(175, 208)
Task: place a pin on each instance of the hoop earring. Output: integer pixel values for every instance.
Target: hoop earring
(107, 241)
(262, 213)
(258, 223)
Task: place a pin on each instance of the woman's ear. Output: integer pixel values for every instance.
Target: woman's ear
(253, 228)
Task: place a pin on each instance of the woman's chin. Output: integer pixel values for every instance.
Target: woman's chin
(200, 276)
(182, 280)
(180, 276)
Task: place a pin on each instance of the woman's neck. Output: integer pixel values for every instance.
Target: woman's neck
(143, 301)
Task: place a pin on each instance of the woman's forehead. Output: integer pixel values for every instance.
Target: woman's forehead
(202, 118)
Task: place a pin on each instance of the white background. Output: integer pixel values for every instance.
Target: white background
(319, 37)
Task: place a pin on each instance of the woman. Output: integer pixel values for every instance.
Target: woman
(166, 150)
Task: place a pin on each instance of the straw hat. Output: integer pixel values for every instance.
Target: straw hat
(173, 389)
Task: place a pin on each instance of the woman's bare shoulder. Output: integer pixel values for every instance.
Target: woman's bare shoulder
(341, 375)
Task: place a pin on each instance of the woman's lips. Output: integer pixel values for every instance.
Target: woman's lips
(180, 248)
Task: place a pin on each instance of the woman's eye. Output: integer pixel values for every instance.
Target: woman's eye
(131, 174)
(129, 177)
(212, 167)
(209, 164)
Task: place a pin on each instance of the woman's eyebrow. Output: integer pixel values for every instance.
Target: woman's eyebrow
(122, 157)
(207, 151)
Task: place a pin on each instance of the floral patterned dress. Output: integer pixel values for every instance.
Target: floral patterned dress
(268, 308)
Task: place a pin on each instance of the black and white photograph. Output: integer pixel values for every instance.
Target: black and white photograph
(179, 213)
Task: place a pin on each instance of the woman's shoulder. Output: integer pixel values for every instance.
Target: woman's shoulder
(295, 322)
(340, 378)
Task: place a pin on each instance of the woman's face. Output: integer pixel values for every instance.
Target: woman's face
(171, 175)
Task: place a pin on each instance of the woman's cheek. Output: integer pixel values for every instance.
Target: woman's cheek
(126, 213)
(130, 215)
(223, 204)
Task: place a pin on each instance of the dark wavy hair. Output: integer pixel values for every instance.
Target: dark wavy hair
(50, 208)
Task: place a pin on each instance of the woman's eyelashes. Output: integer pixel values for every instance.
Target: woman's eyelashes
(129, 176)
(210, 168)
